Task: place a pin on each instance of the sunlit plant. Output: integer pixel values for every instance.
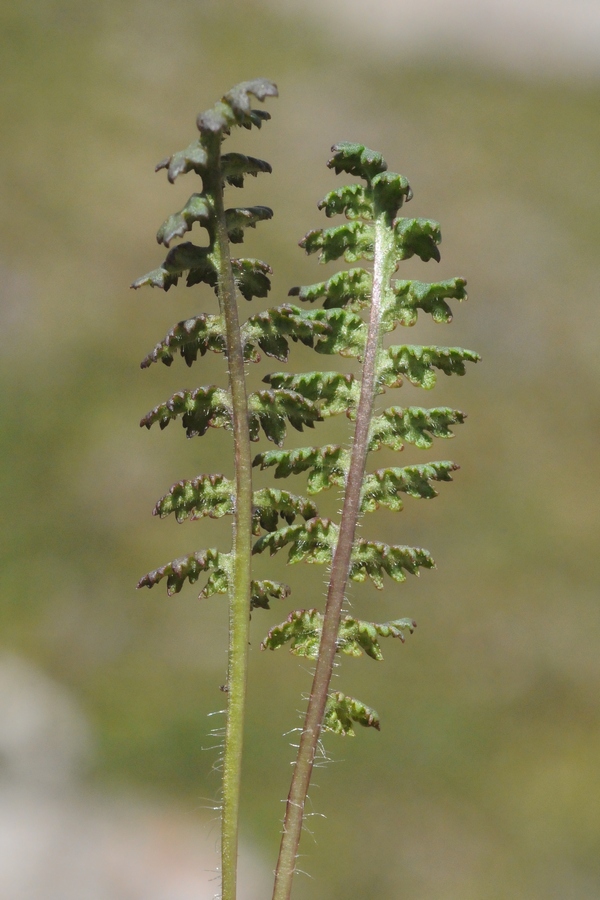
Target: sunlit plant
(358, 307)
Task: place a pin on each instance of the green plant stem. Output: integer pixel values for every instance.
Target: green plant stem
(239, 609)
(383, 267)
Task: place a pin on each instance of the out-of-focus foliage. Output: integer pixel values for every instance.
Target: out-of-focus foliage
(484, 781)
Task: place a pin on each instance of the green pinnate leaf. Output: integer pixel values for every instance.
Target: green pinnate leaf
(262, 592)
(199, 410)
(206, 495)
(327, 466)
(390, 191)
(353, 199)
(189, 338)
(383, 487)
(196, 261)
(271, 505)
(350, 289)
(419, 364)
(417, 237)
(269, 410)
(234, 166)
(240, 217)
(356, 159)
(410, 296)
(303, 629)
(270, 330)
(190, 568)
(197, 209)
(352, 240)
(252, 277)
(332, 392)
(342, 712)
(372, 559)
(413, 425)
(311, 542)
(235, 108)
(193, 159)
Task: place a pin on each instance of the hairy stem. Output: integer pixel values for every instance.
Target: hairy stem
(383, 267)
(239, 609)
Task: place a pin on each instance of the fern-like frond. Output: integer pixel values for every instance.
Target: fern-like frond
(350, 289)
(413, 425)
(271, 329)
(418, 364)
(310, 542)
(261, 592)
(206, 495)
(341, 712)
(383, 487)
(199, 410)
(352, 240)
(235, 166)
(372, 559)
(303, 627)
(326, 465)
(190, 568)
(190, 338)
(332, 392)
(356, 159)
(235, 108)
(411, 296)
(240, 217)
(269, 410)
(271, 505)
(417, 237)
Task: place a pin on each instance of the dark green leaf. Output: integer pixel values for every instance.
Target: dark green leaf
(270, 409)
(356, 159)
(271, 505)
(204, 408)
(390, 191)
(239, 218)
(271, 329)
(234, 166)
(192, 337)
(193, 159)
(197, 209)
(197, 261)
(251, 277)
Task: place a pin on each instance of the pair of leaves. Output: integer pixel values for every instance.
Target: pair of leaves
(303, 628)
(250, 275)
(418, 364)
(356, 240)
(383, 487)
(387, 191)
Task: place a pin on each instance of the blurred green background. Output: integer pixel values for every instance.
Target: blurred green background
(484, 781)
